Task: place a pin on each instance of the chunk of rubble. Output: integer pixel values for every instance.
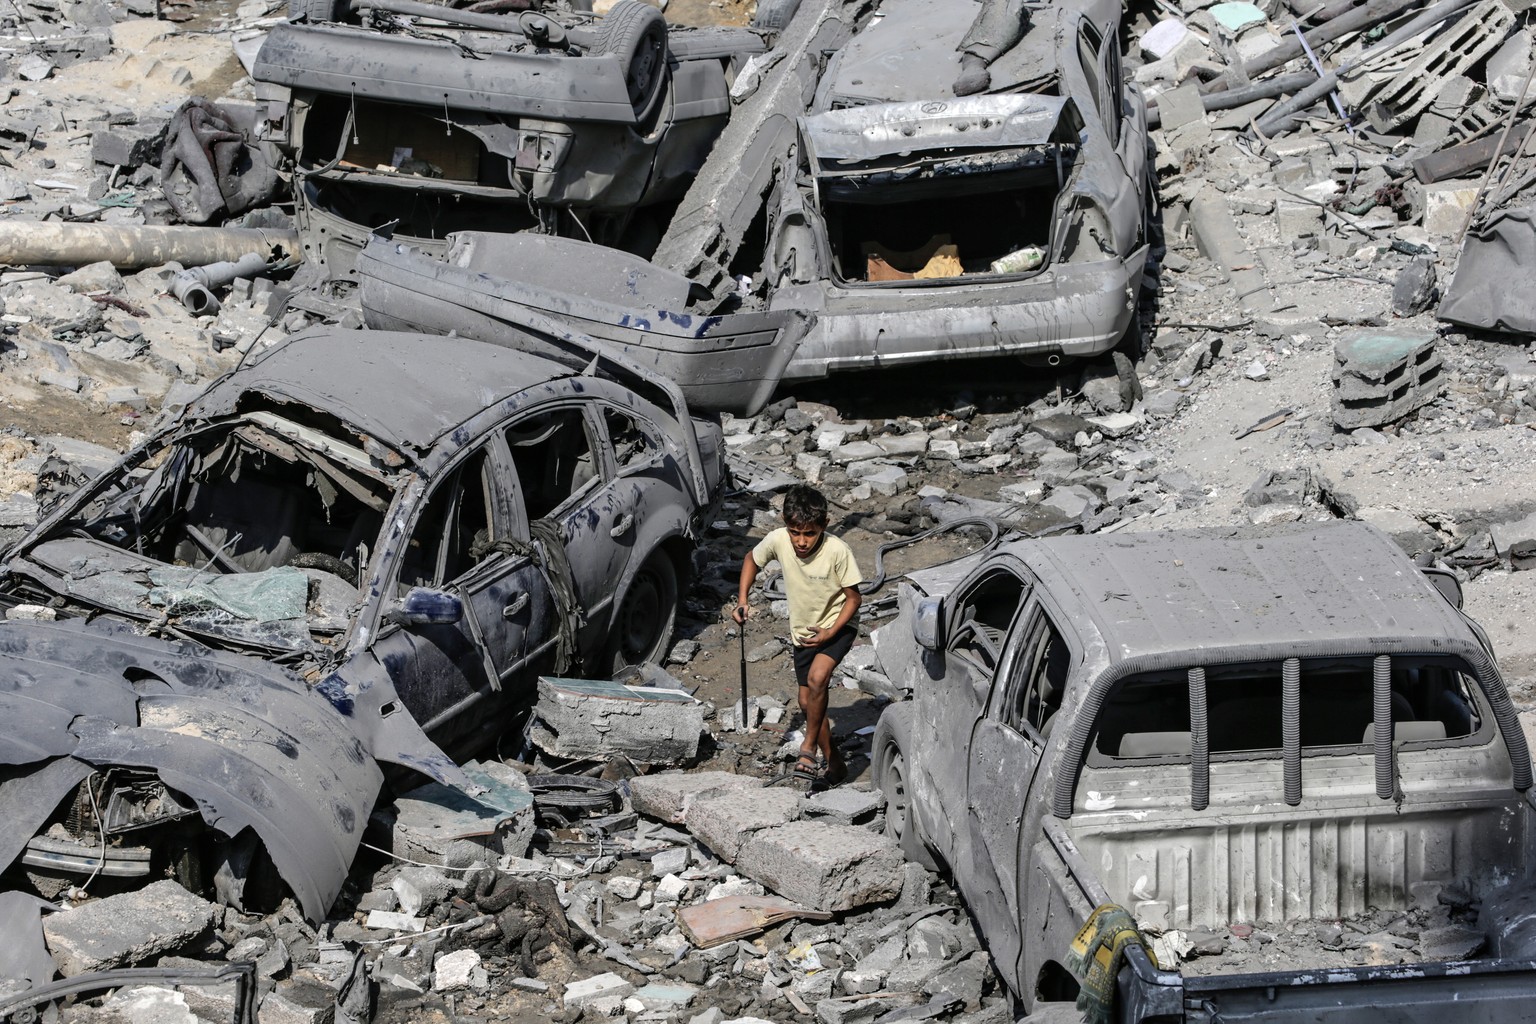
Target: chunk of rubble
(126, 929)
(725, 821)
(440, 824)
(826, 867)
(593, 718)
(1380, 377)
(669, 796)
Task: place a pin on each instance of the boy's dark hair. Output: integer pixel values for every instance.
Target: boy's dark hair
(804, 505)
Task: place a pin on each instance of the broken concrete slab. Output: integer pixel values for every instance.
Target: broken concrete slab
(444, 825)
(725, 821)
(126, 929)
(670, 795)
(602, 986)
(845, 805)
(586, 718)
(824, 866)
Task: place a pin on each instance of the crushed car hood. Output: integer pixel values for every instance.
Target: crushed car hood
(249, 743)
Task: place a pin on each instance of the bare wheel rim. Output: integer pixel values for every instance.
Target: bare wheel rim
(896, 795)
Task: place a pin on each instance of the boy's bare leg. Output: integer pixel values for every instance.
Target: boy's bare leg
(813, 701)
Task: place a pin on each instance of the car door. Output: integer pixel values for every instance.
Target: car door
(1004, 751)
(978, 615)
(444, 671)
(563, 476)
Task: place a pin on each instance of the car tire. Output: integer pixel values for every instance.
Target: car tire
(893, 737)
(637, 34)
(642, 623)
(774, 15)
(316, 11)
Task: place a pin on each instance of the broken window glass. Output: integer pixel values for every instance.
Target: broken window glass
(554, 458)
(453, 528)
(1039, 680)
(634, 441)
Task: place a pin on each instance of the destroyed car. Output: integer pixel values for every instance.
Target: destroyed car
(436, 119)
(920, 225)
(1209, 729)
(360, 547)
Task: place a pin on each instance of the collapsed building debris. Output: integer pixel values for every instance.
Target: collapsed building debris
(1379, 377)
(651, 723)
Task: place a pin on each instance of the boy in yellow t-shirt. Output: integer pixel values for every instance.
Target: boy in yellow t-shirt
(821, 580)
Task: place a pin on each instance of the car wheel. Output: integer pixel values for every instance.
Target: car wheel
(642, 625)
(892, 739)
(315, 11)
(637, 33)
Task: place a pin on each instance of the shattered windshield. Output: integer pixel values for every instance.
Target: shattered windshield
(255, 531)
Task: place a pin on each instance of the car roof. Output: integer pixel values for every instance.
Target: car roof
(403, 389)
(1308, 585)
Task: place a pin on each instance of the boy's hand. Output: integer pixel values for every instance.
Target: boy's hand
(740, 614)
(815, 636)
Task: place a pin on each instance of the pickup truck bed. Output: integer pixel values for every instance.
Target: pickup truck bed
(1277, 729)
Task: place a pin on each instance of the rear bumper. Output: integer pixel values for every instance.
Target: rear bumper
(1079, 310)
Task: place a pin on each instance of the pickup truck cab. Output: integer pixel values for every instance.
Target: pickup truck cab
(1207, 729)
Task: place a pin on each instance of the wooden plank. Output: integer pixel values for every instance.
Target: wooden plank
(739, 917)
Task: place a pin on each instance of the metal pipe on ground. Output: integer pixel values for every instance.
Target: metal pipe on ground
(1366, 16)
(1227, 100)
(28, 243)
(194, 288)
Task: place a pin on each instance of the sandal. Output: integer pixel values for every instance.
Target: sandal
(804, 774)
(836, 773)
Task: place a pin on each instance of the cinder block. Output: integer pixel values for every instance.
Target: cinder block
(669, 796)
(826, 867)
(723, 823)
(130, 145)
(126, 929)
(1379, 377)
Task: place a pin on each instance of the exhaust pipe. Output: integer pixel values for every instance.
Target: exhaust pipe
(194, 288)
(1050, 359)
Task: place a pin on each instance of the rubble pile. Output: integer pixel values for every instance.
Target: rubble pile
(1308, 354)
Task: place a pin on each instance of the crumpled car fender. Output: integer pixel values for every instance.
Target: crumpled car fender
(246, 741)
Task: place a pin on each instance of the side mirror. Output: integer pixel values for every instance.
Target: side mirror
(422, 606)
(1446, 582)
(928, 623)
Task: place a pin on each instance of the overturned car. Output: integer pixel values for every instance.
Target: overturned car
(544, 118)
(361, 548)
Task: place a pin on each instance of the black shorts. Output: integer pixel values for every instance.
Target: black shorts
(837, 649)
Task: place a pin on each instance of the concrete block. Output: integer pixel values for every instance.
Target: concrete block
(856, 451)
(835, 435)
(844, 805)
(602, 986)
(129, 146)
(1180, 106)
(723, 823)
(124, 930)
(1116, 424)
(299, 1001)
(1024, 492)
(826, 867)
(459, 970)
(1445, 207)
(419, 889)
(670, 795)
(660, 996)
(1297, 220)
(585, 718)
(443, 825)
(903, 445)
(1379, 377)
(887, 481)
(1516, 541)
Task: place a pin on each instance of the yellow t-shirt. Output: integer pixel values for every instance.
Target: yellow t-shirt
(814, 585)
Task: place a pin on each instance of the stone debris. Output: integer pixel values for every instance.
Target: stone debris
(653, 723)
(126, 929)
(1379, 377)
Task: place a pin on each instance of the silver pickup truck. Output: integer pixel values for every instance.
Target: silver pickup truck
(1212, 729)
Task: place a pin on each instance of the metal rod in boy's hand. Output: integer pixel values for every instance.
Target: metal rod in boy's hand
(742, 632)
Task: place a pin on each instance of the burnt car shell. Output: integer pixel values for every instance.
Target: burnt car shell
(232, 605)
(897, 174)
(467, 128)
